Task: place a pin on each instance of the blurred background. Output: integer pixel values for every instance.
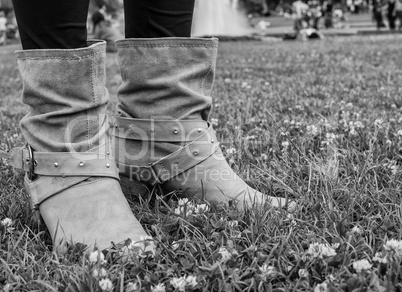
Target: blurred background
(284, 19)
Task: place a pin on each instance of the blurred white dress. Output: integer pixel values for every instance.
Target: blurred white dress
(219, 17)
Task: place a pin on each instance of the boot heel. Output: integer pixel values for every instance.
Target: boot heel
(133, 188)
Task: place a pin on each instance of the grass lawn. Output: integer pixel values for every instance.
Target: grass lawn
(319, 122)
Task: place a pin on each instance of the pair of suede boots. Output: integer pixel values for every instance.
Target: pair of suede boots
(76, 175)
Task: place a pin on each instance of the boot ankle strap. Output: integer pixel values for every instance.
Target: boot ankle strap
(62, 164)
(175, 163)
(159, 130)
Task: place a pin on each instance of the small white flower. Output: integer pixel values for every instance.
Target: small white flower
(353, 132)
(312, 130)
(132, 287)
(225, 254)
(214, 122)
(399, 133)
(267, 271)
(285, 144)
(228, 80)
(264, 156)
(378, 122)
(394, 245)
(381, 258)
(106, 285)
(175, 245)
(159, 288)
(303, 273)
(358, 124)
(388, 143)
(231, 151)
(95, 256)
(362, 265)
(356, 230)
(323, 287)
(335, 245)
(179, 283)
(99, 272)
(319, 250)
(183, 201)
(6, 222)
(201, 208)
(233, 223)
(191, 281)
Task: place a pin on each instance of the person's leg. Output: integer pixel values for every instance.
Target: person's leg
(55, 24)
(71, 174)
(162, 131)
(158, 18)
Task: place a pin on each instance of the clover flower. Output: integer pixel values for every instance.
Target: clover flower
(201, 208)
(132, 287)
(323, 287)
(267, 272)
(158, 288)
(225, 254)
(312, 130)
(231, 151)
(191, 281)
(95, 256)
(285, 144)
(7, 222)
(362, 265)
(138, 248)
(320, 250)
(233, 223)
(303, 273)
(99, 272)
(356, 230)
(215, 122)
(106, 285)
(179, 283)
(394, 245)
(378, 123)
(358, 124)
(380, 257)
(187, 208)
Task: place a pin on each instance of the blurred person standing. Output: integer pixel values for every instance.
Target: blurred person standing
(104, 28)
(391, 14)
(398, 13)
(3, 28)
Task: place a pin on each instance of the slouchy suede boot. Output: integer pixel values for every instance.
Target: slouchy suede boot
(71, 175)
(162, 134)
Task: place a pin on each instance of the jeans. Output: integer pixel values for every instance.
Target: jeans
(61, 24)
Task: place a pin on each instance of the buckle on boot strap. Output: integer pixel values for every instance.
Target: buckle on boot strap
(61, 164)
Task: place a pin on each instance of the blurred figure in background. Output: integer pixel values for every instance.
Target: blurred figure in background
(377, 13)
(391, 14)
(398, 13)
(105, 28)
(3, 28)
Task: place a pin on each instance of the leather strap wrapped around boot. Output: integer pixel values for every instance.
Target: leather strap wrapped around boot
(46, 171)
(199, 136)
